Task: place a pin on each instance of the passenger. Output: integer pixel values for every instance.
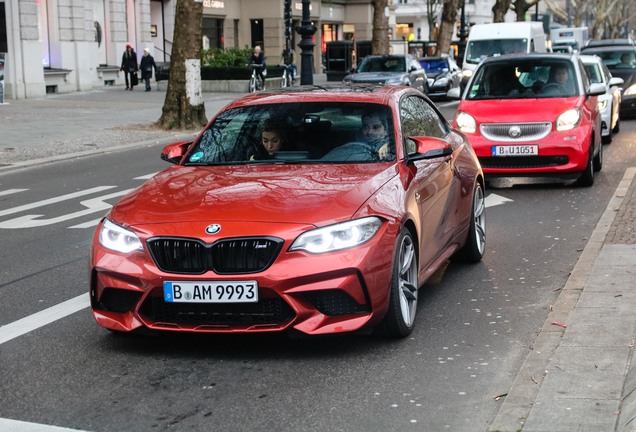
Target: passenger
(561, 79)
(375, 132)
(505, 82)
(626, 61)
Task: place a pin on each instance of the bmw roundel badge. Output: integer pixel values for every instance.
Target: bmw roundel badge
(213, 229)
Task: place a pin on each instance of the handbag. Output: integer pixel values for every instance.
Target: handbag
(134, 79)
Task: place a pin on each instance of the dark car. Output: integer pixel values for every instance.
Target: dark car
(324, 234)
(391, 70)
(443, 74)
(619, 55)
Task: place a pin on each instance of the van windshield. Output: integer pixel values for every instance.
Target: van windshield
(477, 50)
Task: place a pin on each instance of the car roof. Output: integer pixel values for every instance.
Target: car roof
(363, 93)
(530, 57)
(590, 58)
(608, 42)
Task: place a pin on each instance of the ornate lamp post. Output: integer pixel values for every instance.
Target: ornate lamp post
(306, 31)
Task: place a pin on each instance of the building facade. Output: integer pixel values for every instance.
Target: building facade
(61, 46)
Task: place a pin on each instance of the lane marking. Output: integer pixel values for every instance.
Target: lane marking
(89, 224)
(42, 318)
(20, 426)
(93, 205)
(11, 191)
(54, 200)
(493, 200)
(146, 177)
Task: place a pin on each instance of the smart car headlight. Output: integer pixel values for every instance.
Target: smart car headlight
(630, 91)
(602, 104)
(568, 120)
(465, 122)
(337, 237)
(116, 238)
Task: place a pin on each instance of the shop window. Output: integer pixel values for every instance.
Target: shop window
(212, 32)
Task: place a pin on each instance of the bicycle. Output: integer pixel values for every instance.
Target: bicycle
(288, 76)
(255, 82)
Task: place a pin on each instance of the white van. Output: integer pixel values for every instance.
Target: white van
(488, 40)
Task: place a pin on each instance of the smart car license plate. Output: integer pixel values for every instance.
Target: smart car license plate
(210, 292)
(515, 150)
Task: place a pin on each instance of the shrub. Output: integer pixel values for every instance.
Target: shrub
(224, 58)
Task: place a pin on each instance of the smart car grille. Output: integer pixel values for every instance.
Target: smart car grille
(268, 311)
(335, 302)
(513, 132)
(522, 161)
(227, 256)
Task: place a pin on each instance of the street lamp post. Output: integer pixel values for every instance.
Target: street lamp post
(306, 31)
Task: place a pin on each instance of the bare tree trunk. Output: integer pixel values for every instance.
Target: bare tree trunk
(521, 7)
(380, 38)
(447, 26)
(500, 9)
(183, 107)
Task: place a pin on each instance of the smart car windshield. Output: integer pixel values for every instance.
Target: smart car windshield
(325, 132)
(517, 79)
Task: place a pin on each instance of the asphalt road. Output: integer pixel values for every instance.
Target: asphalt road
(475, 324)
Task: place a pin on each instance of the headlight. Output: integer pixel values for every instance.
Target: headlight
(631, 91)
(568, 120)
(467, 73)
(465, 122)
(602, 104)
(337, 237)
(118, 239)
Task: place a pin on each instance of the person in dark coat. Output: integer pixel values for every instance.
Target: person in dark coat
(129, 65)
(146, 65)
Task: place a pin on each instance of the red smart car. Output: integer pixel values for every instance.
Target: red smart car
(533, 115)
(313, 209)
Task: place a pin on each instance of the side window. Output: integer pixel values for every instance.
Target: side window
(418, 118)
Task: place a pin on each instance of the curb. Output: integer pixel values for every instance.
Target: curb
(526, 386)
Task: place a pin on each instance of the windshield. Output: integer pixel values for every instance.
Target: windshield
(383, 64)
(435, 66)
(518, 79)
(478, 50)
(616, 59)
(325, 132)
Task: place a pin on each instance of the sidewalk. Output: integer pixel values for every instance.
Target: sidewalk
(578, 376)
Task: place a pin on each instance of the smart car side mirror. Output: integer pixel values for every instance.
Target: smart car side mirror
(595, 89)
(174, 152)
(429, 148)
(616, 81)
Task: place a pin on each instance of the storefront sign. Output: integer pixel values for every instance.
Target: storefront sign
(214, 4)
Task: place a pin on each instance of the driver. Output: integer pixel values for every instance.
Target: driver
(375, 132)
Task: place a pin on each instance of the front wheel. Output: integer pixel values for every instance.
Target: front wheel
(473, 250)
(400, 318)
(587, 176)
(253, 86)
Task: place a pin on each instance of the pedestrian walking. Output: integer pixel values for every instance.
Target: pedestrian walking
(129, 67)
(147, 65)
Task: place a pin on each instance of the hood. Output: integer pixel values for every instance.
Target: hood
(311, 194)
(519, 110)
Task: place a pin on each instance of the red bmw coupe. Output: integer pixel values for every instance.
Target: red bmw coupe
(315, 209)
(533, 115)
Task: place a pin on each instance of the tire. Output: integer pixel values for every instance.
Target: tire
(598, 159)
(617, 128)
(473, 250)
(400, 317)
(252, 87)
(607, 139)
(587, 176)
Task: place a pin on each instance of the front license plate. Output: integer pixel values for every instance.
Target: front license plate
(210, 292)
(515, 150)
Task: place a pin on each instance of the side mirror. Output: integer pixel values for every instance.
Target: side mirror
(174, 152)
(429, 148)
(595, 89)
(616, 81)
(454, 93)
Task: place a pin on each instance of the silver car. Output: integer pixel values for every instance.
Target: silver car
(401, 69)
(608, 103)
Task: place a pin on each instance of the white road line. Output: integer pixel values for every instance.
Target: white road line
(146, 177)
(493, 200)
(54, 200)
(42, 318)
(20, 426)
(88, 224)
(11, 191)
